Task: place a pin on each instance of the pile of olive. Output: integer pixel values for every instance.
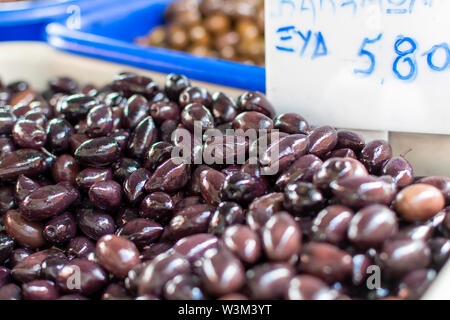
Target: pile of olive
(90, 185)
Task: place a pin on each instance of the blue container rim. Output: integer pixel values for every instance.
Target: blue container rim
(157, 59)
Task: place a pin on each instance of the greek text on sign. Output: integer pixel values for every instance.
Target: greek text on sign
(362, 64)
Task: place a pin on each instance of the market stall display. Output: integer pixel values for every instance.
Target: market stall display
(140, 158)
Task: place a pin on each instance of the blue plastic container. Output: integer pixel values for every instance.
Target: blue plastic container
(26, 20)
(109, 34)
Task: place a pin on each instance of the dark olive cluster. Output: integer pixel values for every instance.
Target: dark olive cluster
(94, 204)
(226, 29)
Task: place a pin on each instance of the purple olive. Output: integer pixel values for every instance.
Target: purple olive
(194, 183)
(281, 237)
(98, 152)
(282, 153)
(359, 192)
(211, 182)
(415, 232)
(322, 140)
(59, 133)
(291, 123)
(87, 177)
(160, 270)
(6, 146)
(174, 85)
(134, 185)
(136, 110)
(124, 168)
(252, 120)
(243, 242)
(255, 101)
(158, 154)
(184, 287)
(76, 140)
(125, 214)
(196, 114)
(65, 168)
(402, 256)
(400, 169)
(39, 290)
(105, 194)
(29, 134)
(194, 247)
(162, 111)
(226, 214)
(80, 247)
(195, 95)
(141, 231)
(23, 161)
(142, 138)
(95, 224)
(91, 277)
(129, 83)
(226, 149)
(325, 261)
(221, 272)
(303, 169)
(60, 229)
(76, 107)
(6, 199)
(413, 285)
(338, 168)
(306, 287)
(169, 177)
(242, 187)
(47, 201)
(24, 186)
(10, 292)
(301, 197)
(30, 268)
(440, 248)
(6, 244)
(166, 130)
(7, 121)
(350, 140)
(223, 108)
(17, 255)
(269, 280)
(332, 223)
(117, 255)
(192, 220)
(63, 85)
(158, 206)
(375, 154)
(372, 225)
(99, 121)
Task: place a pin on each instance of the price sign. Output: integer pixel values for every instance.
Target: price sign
(361, 64)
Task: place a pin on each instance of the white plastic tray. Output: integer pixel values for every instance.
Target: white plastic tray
(36, 63)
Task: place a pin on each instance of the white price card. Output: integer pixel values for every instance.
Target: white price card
(361, 64)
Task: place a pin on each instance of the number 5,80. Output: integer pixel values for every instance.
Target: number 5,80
(405, 49)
